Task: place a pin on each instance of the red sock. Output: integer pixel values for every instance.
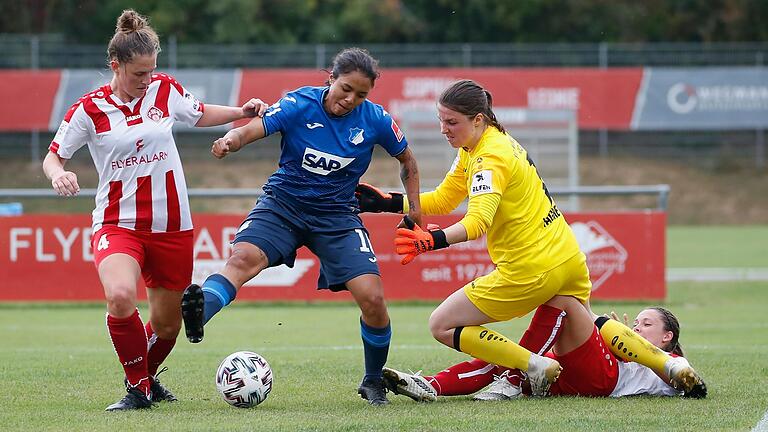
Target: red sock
(543, 330)
(539, 338)
(463, 378)
(157, 349)
(130, 341)
(469, 377)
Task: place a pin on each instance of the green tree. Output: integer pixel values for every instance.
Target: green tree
(400, 21)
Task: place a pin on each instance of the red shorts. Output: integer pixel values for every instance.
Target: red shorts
(589, 370)
(165, 258)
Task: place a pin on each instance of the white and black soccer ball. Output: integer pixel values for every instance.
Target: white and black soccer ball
(244, 379)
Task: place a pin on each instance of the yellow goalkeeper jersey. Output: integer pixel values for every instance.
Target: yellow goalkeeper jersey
(527, 234)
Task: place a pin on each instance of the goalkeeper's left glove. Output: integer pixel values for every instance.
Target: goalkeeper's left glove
(413, 240)
(373, 200)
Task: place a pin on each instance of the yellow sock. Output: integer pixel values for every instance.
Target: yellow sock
(630, 346)
(488, 345)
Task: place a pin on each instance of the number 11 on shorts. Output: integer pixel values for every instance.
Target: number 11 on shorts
(365, 244)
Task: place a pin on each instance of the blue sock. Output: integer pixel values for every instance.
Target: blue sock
(375, 347)
(218, 292)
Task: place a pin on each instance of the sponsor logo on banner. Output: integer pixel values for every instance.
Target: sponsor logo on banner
(44, 251)
(426, 87)
(685, 98)
(605, 255)
(323, 163)
(280, 276)
(554, 98)
(211, 250)
(419, 94)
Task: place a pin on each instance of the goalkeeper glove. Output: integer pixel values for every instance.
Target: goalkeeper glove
(372, 200)
(413, 240)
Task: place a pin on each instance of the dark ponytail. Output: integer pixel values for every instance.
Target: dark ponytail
(355, 59)
(671, 324)
(470, 98)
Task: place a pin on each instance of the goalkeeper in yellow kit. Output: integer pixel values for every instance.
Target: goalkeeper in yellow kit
(533, 248)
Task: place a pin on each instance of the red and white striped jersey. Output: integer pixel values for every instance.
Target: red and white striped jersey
(141, 181)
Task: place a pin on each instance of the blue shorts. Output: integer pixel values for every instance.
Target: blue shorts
(339, 240)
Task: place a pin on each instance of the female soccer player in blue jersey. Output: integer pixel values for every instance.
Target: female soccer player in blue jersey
(328, 134)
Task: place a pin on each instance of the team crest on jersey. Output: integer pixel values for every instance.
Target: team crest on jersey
(155, 114)
(323, 163)
(481, 183)
(356, 135)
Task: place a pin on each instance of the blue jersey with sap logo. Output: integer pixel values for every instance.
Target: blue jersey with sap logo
(323, 156)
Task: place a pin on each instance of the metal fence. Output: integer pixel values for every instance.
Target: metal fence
(52, 51)
(660, 192)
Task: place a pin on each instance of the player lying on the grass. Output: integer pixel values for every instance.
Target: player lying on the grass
(529, 241)
(328, 136)
(589, 369)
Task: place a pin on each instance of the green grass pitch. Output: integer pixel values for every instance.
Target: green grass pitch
(59, 371)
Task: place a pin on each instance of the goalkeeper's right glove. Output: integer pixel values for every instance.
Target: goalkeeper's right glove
(413, 240)
(372, 200)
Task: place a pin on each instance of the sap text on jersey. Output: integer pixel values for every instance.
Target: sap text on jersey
(138, 160)
(323, 163)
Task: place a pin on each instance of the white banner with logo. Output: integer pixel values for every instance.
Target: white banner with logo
(702, 98)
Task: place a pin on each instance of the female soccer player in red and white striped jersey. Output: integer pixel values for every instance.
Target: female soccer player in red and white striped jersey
(142, 226)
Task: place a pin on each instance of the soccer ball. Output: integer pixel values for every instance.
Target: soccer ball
(244, 379)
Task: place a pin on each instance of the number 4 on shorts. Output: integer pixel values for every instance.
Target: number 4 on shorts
(103, 242)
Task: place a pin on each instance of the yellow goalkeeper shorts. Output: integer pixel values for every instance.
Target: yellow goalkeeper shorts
(502, 298)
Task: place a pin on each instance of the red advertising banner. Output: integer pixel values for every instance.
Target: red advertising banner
(604, 98)
(28, 97)
(48, 258)
(670, 98)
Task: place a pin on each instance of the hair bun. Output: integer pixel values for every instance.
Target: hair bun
(130, 21)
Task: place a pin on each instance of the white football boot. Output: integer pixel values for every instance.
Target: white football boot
(500, 389)
(412, 385)
(684, 378)
(542, 373)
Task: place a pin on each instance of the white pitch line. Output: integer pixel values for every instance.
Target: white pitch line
(262, 347)
(762, 425)
(677, 274)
